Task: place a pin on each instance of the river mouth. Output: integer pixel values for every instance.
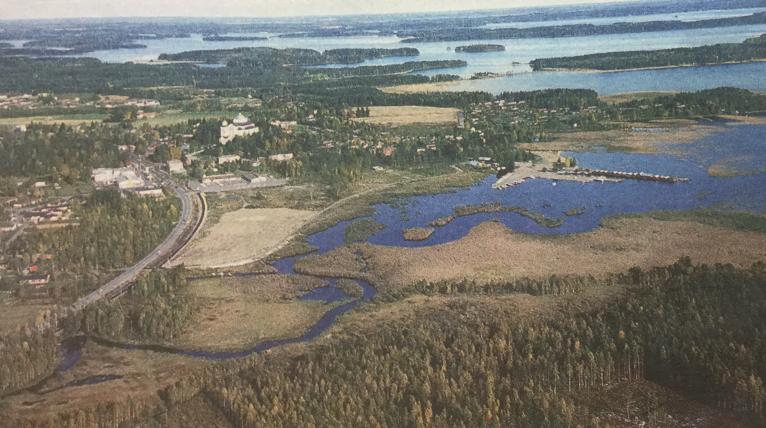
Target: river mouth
(576, 207)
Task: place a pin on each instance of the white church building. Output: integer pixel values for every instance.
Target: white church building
(239, 127)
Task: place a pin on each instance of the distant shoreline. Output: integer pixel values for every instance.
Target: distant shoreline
(445, 86)
(659, 67)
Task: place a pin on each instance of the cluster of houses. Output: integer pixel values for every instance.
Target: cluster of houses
(37, 213)
(125, 179)
(31, 102)
(483, 162)
(285, 125)
(31, 279)
(38, 273)
(52, 213)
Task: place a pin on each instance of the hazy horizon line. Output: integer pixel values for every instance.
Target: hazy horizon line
(338, 15)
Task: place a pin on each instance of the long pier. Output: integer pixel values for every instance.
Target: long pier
(629, 175)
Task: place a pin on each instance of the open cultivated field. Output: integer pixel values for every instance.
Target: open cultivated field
(410, 115)
(492, 252)
(71, 119)
(419, 88)
(243, 236)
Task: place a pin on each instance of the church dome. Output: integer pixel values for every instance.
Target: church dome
(241, 120)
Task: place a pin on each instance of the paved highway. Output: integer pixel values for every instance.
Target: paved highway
(159, 254)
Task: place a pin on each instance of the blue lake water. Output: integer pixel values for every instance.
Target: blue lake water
(519, 52)
(747, 76)
(746, 143)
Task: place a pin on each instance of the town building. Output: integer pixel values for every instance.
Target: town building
(228, 159)
(221, 179)
(151, 192)
(176, 167)
(124, 178)
(36, 281)
(241, 126)
(282, 157)
(285, 125)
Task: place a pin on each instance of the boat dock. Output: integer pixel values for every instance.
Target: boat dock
(629, 175)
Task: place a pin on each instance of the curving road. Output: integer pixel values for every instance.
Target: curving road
(158, 255)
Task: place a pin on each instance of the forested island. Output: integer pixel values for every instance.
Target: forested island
(574, 30)
(480, 48)
(753, 49)
(265, 56)
(219, 38)
(260, 73)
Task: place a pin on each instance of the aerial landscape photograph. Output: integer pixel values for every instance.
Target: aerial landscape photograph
(402, 213)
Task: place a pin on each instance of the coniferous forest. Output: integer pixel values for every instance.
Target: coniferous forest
(695, 329)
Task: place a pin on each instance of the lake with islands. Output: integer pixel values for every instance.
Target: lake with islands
(518, 53)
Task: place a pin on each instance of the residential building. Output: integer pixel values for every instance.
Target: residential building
(282, 157)
(36, 281)
(151, 193)
(124, 178)
(176, 167)
(228, 159)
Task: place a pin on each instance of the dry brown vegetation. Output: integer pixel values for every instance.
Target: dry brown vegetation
(15, 313)
(410, 115)
(638, 137)
(143, 375)
(244, 236)
(493, 252)
(632, 96)
(236, 313)
(517, 307)
(419, 88)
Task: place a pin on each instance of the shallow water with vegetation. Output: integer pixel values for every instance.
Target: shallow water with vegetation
(526, 204)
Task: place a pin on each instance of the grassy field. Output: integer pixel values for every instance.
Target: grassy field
(244, 236)
(71, 119)
(171, 117)
(409, 115)
(163, 118)
(307, 196)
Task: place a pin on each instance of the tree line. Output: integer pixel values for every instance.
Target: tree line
(112, 232)
(750, 50)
